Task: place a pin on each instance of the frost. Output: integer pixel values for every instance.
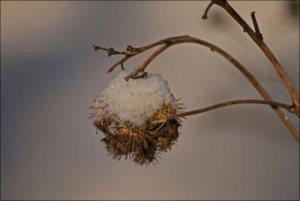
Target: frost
(134, 100)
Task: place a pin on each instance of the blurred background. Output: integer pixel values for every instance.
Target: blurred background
(50, 76)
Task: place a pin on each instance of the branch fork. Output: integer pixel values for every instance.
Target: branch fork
(257, 37)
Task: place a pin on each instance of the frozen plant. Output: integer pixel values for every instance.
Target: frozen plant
(138, 114)
(133, 115)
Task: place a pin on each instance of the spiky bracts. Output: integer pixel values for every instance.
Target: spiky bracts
(142, 144)
(134, 118)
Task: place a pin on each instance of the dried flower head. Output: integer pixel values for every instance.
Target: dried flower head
(133, 115)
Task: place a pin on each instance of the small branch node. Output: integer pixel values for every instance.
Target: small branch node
(138, 73)
(257, 31)
(295, 109)
(111, 51)
(121, 63)
(131, 50)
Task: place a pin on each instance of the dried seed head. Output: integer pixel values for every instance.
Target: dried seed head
(140, 138)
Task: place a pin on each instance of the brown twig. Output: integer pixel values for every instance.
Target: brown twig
(132, 51)
(110, 51)
(204, 16)
(144, 65)
(235, 102)
(265, 49)
(168, 42)
(121, 63)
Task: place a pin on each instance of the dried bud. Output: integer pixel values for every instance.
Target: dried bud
(133, 115)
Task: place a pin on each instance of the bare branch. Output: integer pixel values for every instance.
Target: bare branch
(130, 52)
(144, 65)
(121, 62)
(188, 39)
(204, 16)
(110, 51)
(212, 2)
(235, 102)
(265, 49)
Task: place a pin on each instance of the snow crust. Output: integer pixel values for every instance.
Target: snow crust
(134, 100)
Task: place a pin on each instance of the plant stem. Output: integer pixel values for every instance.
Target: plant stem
(260, 43)
(144, 65)
(235, 102)
(228, 103)
(168, 42)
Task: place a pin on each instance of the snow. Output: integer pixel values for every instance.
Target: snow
(134, 100)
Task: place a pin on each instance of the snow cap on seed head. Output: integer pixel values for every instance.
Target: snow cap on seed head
(135, 100)
(133, 116)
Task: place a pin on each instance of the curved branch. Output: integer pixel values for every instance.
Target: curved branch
(168, 42)
(257, 38)
(144, 65)
(235, 102)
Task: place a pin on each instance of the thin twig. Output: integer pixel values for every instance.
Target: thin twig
(212, 2)
(234, 102)
(132, 51)
(144, 65)
(121, 63)
(265, 49)
(257, 31)
(110, 51)
(152, 56)
(204, 16)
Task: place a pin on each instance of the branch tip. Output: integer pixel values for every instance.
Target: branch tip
(256, 28)
(96, 48)
(204, 16)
